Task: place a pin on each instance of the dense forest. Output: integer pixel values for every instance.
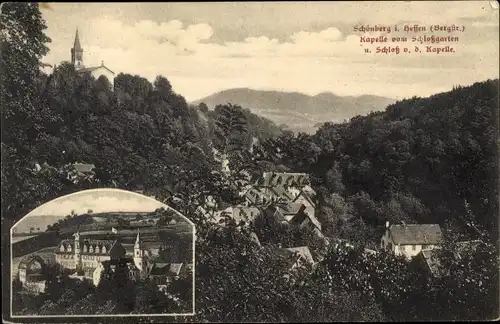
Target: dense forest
(422, 160)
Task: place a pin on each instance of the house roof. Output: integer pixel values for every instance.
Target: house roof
(166, 269)
(242, 213)
(299, 219)
(115, 262)
(94, 247)
(83, 167)
(281, 192)
(271, 179)
(415, 234)
(257, 195)
(289, 208)
(176, 268)
(431, 261)
(255, 238)
(309, 194)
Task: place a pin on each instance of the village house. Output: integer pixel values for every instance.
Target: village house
(78, 171)
(409, 239)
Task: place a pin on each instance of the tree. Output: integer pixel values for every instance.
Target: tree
(231, 128)
(20, 61)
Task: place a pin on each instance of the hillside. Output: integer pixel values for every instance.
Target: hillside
(299, 111)
(422, 160)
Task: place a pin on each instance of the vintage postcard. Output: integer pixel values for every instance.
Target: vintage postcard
(250, 161)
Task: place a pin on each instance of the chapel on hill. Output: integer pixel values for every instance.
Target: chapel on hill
(95, 71)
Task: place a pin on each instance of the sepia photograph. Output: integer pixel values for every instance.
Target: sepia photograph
(286, 161)
(102, 252)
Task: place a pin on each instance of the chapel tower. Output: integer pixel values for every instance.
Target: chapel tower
(77, 53)
(138, 252)
(78, 251)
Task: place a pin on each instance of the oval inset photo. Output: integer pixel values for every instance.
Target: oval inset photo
(102, 252)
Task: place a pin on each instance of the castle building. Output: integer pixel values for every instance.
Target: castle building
(84, 255)
(96, 71)
(145, 263)
(95, 259)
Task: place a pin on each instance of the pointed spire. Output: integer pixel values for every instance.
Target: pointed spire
(77, 46)
(138, 239)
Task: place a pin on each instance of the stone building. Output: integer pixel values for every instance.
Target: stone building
(84, 255)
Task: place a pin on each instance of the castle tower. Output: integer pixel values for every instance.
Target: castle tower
(138, 252)
(77, 53)
(78, 251)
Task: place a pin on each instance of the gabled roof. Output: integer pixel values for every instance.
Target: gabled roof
(308, 193)
(290, 208)
(175, 268)
(83, 167)
(166, 269)
(431, 261)
(301, 217)
(94, 247)
(94, 68)
(271, 179)
(295, 255)
(255, 238)
(282, 193)
(243, 213)
(257, 196)
(415, 234)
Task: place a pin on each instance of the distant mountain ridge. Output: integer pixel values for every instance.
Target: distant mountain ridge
(301, 112)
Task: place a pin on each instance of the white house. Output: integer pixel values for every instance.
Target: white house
(410, 239)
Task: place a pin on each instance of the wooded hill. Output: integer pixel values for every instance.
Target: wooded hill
(421, 160)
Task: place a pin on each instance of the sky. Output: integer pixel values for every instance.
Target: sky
(99, 200)
(308, 47)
